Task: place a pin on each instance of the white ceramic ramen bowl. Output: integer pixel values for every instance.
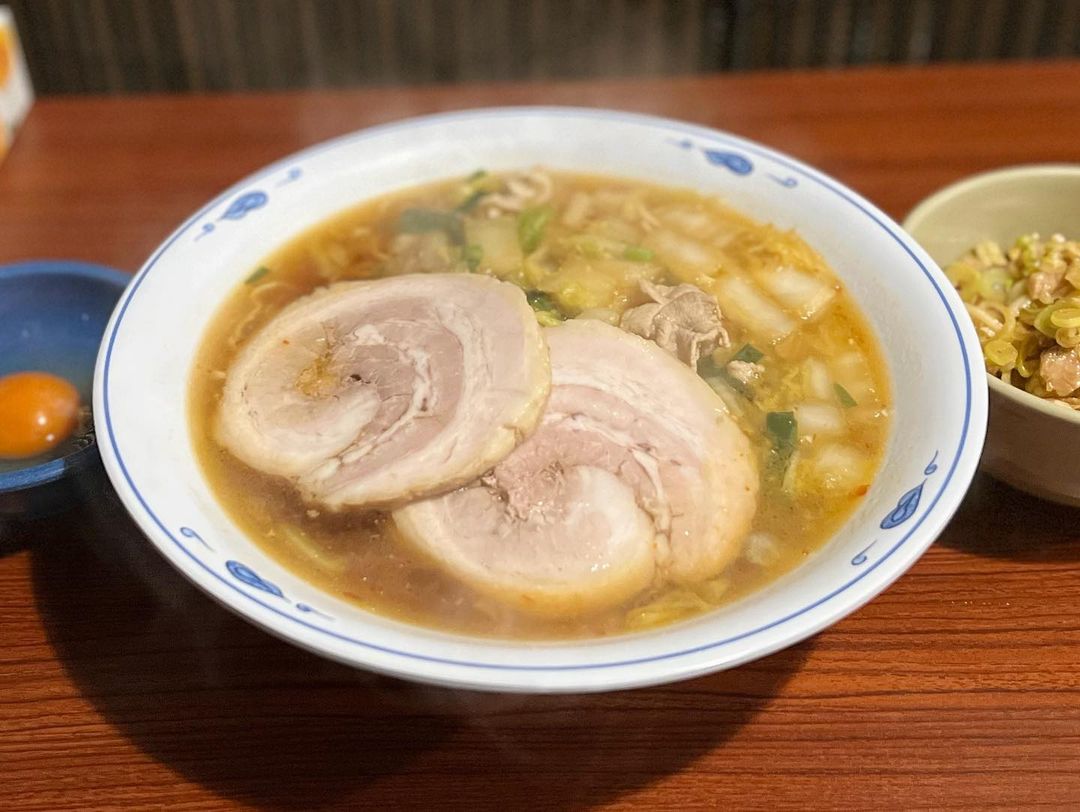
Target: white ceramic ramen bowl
(939, 413)
(1031, 444)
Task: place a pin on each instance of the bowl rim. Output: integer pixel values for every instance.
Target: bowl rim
(940, 505)
(920, 211)
(924, 211)
(43, 473)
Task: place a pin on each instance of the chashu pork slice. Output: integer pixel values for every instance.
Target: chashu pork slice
(636, 475)
(377, 392)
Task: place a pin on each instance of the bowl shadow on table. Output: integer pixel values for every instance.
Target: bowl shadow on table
(256, 720)
(996, 520)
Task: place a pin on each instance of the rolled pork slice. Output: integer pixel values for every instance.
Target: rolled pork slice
(636, 475)
(374, 393)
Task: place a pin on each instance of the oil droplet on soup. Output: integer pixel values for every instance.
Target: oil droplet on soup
(802, 375)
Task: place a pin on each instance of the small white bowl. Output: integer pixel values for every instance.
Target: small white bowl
(1031, 444)
(939, 399)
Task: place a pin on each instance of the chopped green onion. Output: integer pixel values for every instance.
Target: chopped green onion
(1029, 253)
(258, 274)
(1066, 317)
(714, 374)
(548, 318)
(844, 396)
(470, 202)
(993, 284)
(531, 225)
(547, 312)
(1000, 352)
(538, 300)
(783, 430)
(1042, 321)
(736, 384)
(711, 371)
(587, 246)
(472, 254)
(637, 253)
(419, 221)
(707, 367)
(477, 175)
(749, 353)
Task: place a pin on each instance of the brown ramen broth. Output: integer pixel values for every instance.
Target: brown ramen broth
(814, 405)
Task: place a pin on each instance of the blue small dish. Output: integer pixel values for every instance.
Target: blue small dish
(52, 316)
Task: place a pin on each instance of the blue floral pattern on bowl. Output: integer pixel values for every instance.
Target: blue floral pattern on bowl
(906, 506)
(247, 202)
(735, 162)
(909, 502)
(248, 576)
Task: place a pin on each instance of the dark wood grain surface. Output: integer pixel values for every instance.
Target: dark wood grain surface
(144, 46)
(121, 685)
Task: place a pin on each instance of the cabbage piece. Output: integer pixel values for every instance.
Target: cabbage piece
(762, 549)
(820, 418)
(313, 552)
(852, 371)
(613, 229)
(693, 221)
(498, 247)
(752, 310)
(816, 379)
(714, 590)
(673, 605)
(577, 210)
(799, 292)
(839, 467)
(582, 284)
(688, 259)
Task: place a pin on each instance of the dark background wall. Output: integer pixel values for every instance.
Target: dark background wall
(119, 46)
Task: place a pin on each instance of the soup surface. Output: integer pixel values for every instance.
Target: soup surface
(801, 374)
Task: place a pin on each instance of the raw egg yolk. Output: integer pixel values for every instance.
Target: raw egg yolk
(38, 411)
(6, 57)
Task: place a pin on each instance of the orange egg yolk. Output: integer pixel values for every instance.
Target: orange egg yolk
(38, 411)
(6, 57)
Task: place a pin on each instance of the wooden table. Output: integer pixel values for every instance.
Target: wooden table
(120, 684)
